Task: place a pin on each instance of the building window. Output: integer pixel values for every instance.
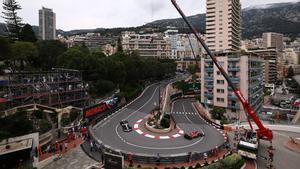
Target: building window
(218, 73)
(220, 81)
(222, 100)
(220, 90)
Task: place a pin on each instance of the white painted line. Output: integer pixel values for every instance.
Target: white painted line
(164, 137)
(139, 131)
(140, 120)
(136, 126)
(181, 132)
(150, 136)
(176, 135)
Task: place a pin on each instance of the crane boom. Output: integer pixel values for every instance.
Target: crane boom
(262, 131)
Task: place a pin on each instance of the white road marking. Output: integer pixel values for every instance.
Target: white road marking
(164, 137)
(150, 136)
(176, 135)
(136, 126)
(139, 131)
(140, 120)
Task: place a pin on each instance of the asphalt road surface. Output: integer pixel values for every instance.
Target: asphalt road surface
(110, 133)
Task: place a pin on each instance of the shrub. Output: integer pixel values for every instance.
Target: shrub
(45, 126)
(234, 161)
(73, 115)
(165, 123)
(198, 165)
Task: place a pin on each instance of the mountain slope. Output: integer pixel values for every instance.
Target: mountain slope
(280, 17)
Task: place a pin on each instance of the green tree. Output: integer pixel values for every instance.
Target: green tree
(290, 72)
(12, 19)
(102, 87)
(49, 51)
(24, 53)
(192, 69)
(73, 59)
(27, 34)
(120, 47)
(4, 48)
(217, 113)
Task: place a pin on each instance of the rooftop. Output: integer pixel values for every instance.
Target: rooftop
(15, 146)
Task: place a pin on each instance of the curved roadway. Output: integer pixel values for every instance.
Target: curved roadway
(110, 134)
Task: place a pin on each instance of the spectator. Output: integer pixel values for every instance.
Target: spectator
(66, 146)
(60, 149)
(92, 146)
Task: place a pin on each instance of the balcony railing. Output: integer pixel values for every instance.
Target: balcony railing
(207, 78)
(231, 106)
(208, 69)
(232, 97)
(234, 68)
(208, 85)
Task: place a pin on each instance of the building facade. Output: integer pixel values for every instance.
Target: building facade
(223, 25)
(245, 72)
(47, 24)
(272, 39)
(147, 45)
(270, 57)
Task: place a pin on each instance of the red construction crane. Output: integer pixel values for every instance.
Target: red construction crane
(262, 132)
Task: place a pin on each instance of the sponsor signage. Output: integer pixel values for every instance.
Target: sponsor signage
(101, 107)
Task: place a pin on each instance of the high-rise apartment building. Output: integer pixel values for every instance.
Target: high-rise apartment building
(270, 57)
(272, 39)
(47, 24)
(223, 25)
(244, 70)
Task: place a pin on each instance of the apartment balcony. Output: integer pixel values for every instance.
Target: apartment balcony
(256, 76)
(235, 79)
(209, 85)
(232, 106)
(207, 78)
(234, 68)
(232, 97)
(209, 95)
(208, 69)
(234, 58)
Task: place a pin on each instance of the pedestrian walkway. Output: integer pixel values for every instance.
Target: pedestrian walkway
(95, 154)
(250, 164)
(65, 147)
(75, 159)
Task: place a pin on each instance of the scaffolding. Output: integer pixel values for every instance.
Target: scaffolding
(56, 88)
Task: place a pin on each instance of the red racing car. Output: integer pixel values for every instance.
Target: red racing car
(193, 134)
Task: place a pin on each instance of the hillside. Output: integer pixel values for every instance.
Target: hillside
(279, 17)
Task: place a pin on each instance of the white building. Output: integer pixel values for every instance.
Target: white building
(223, 25)
(147, 45)
(244, 70)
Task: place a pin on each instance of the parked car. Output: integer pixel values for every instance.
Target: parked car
(193, 134)
(125, 126)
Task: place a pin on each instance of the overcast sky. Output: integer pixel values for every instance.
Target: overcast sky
(81, 14)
